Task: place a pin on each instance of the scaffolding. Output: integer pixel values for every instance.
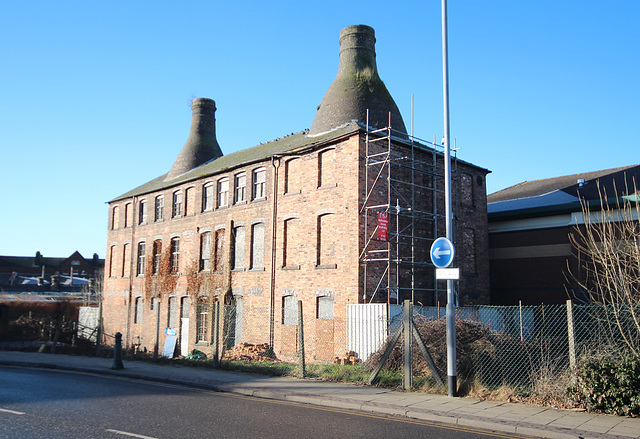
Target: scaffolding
(404, 183)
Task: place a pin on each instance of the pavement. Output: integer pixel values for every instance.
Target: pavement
(462, 412)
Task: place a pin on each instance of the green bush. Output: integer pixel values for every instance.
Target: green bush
(608, 385)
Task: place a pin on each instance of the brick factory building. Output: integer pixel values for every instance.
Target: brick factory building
(342, 213)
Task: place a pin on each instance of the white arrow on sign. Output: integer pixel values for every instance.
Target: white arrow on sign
(439, 252)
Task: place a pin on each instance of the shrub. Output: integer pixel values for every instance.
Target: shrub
(608, 385)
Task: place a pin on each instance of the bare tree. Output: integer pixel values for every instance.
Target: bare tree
(608, 251)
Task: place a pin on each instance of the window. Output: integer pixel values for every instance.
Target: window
(141, 257)
(223, 192)
(207, 197)
(205, 251)
(128, 214)
(202, 323)
(291, 245)
(157, 256)
(218, 261)
(259, 182)
(237, 263)
(257, 246)
(174, 263)
(289, 310)
(189, 201)
(142, 212)
(326, 168)
(327, 241)
(172, 313)
(177, 204)
(112, 252)
(240, 185)
(126, 260)
(159, 208)
(324, 307)
(115, 215)
(292, 176)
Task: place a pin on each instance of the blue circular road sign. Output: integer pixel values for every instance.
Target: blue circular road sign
(442, 252)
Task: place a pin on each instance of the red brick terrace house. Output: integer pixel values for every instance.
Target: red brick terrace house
(295, 219)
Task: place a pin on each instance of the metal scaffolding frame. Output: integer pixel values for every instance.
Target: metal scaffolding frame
(386, 191)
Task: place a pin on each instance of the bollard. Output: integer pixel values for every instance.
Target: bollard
(117, 353)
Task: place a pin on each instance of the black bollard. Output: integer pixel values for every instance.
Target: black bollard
(117, 353)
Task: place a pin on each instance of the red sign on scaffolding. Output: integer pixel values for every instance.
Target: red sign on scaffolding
(383, 226)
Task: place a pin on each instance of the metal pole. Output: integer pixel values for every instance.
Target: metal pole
(451, 311)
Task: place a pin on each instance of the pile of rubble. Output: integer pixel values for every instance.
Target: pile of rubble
(250, 352)
(349, 358)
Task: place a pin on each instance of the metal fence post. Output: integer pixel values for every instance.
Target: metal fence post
(571, 335)
(301, 340)
(407, 378)
(216, 334)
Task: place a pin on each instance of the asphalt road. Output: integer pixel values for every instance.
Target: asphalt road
(37, 403)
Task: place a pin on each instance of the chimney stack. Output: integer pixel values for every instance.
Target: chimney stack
(201, 145)
(357, 88)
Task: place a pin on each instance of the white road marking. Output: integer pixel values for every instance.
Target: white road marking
(13, 412)
(126, 433)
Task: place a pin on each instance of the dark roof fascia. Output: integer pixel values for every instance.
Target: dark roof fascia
(200, 172)
(558, 209)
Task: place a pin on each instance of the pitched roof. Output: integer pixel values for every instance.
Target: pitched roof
(283, 145)
(561, 194)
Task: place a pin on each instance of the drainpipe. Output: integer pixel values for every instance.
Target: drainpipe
(275, 162)
(131, 266)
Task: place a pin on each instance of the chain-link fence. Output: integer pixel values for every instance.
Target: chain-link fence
(514, 346)
(523, 347)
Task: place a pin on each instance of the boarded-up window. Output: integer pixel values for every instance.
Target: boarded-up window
(327, 168)
(257, 246)
(218, 261)
(238, 248)
(327, 240)
(157, 256)
(189, 201)
(112, 252)
(137, 318)
(291, 256)
(172, 311)
(325, 307)
(289, 310)
(205, 251)
(115, 215)
(128, 214)
(126, 260)
(292, 176)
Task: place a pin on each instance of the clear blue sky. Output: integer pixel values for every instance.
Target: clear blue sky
(94, 95)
